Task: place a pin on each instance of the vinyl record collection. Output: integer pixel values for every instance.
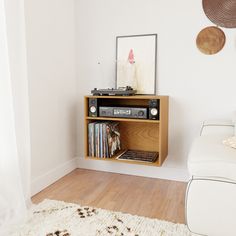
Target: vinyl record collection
(104, 139)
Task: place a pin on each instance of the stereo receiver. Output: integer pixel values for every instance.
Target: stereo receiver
(123, 112)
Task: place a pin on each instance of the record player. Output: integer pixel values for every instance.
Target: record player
(121, 91)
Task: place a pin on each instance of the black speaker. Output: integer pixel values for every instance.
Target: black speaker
(93, 107)
(153, 110)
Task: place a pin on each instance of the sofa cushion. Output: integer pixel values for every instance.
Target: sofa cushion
(217, 127)
(209, 157)
(234, 121)
(231, 142)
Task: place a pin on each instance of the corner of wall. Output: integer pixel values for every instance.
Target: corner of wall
(43, 181)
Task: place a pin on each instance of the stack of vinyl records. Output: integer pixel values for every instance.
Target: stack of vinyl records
(135, 155)
(104, 139)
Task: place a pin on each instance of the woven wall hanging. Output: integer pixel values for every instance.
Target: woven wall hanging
(221, 12)
(210, 40)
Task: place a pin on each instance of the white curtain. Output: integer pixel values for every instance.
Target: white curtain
(14, 117)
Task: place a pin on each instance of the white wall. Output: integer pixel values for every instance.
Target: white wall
(200, 86)
(50, 32)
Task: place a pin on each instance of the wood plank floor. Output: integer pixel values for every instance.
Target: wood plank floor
(154, 198)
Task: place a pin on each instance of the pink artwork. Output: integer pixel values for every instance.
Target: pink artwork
(131, 57)
(136, 59)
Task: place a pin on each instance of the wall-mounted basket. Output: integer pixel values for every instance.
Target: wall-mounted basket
(210, 40)
(221, 12)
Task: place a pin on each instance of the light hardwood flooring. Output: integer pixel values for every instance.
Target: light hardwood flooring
(154, 198)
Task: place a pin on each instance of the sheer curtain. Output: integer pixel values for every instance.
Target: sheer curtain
(14, 116)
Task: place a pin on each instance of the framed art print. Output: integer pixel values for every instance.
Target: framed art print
(136, 58)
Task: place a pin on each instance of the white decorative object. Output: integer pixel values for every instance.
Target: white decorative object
(231, 142)
(51, 218)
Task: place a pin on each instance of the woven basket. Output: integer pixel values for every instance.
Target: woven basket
(210, 40)
(221, 12)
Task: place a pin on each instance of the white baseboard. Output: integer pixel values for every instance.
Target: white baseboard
(43, 181)
(168, 173)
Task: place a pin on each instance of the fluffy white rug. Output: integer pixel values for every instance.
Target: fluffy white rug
(56, 218)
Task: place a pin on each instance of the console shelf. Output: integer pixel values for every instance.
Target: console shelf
(123, 119)
(113, 159)
(136, 134)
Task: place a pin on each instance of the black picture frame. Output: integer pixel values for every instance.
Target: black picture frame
(136, 62)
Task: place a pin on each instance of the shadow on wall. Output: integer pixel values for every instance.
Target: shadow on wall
(179, 129)
(73, 114)
(80, 127)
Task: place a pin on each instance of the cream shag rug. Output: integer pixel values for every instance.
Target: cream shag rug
(56, 218)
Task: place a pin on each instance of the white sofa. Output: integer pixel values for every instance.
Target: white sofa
(211, 193)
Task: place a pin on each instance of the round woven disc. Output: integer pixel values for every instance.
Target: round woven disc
(210, 40)
(221, 12)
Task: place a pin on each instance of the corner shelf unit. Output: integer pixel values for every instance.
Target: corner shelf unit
(136, 134)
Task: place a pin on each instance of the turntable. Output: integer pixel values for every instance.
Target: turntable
(121, 91)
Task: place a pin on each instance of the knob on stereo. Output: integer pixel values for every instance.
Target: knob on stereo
(140, 113)
(153, 109)
(93, 107)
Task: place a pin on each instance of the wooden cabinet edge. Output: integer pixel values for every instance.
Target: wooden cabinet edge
(157, 163)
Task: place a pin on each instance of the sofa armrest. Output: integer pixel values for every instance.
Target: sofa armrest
(215, 127)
